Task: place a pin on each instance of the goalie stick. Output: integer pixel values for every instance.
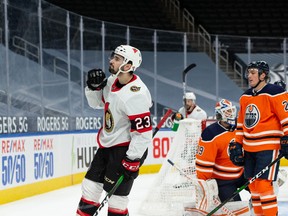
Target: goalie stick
(246, 184)
(216, 201)
(121, 178)
(184, 75)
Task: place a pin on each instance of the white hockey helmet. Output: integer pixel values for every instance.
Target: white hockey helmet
(130, 54)
(226, 111)
(190, 95)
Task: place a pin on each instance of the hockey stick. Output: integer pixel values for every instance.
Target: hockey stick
(119, 181)
(216, 201)
(184, 75)
(167, 114)
(109, 194)
(246, 184)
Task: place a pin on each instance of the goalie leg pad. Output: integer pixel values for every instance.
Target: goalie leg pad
(194, 212)
(239, 208)
(282, 177)
(205, 193)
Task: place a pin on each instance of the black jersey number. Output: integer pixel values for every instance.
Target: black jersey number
(285, 103)
(200, 150)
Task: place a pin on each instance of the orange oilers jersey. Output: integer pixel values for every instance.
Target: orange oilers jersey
(262, 119)
(212, 158)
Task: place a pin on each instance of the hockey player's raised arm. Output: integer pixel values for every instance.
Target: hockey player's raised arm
(96, 81)
(94, 98)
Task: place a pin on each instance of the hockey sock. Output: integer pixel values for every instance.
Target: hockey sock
(267, 196)
(256, 203)
(117, 212)
(86, 207)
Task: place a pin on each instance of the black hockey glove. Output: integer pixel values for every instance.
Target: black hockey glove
(129, 168)
(284, 146)
(177, 116)
(236, 153)
(96, 79)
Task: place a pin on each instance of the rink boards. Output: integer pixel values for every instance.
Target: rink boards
(37, 163)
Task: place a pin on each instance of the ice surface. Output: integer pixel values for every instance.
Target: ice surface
(64, 202)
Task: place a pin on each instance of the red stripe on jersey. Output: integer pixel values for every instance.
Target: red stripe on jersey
(140, 122)
(106, 106)
(103, 100)
(116, 87)
(116, 144)
(98, 139)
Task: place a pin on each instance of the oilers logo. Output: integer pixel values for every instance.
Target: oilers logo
(252, 116)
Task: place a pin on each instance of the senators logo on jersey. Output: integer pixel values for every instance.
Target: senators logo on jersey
(252, 116)
(135, 88)
(109, 121)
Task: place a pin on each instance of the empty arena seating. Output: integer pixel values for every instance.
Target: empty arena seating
(264, 18)
(141, 13)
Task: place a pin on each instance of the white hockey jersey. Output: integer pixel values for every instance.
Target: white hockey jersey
(126, 120)
(197, 113)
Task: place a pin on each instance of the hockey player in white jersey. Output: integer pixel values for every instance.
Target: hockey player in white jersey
(191, 109)
(125, 135)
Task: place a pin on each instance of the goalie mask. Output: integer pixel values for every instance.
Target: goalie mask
(226, 111)
(131, 55)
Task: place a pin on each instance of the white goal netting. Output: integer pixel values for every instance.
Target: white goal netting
(171, 189)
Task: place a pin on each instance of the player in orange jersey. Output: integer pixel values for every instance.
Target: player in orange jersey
(212, 159)
(261, 127)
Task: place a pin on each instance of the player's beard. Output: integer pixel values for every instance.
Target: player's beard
(188, 108)
(111, 70)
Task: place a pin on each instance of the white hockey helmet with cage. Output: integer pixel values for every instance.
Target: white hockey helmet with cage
(226, 111)
(130, 54)
(190, 95)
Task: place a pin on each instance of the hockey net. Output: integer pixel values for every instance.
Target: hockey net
(171, 189)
